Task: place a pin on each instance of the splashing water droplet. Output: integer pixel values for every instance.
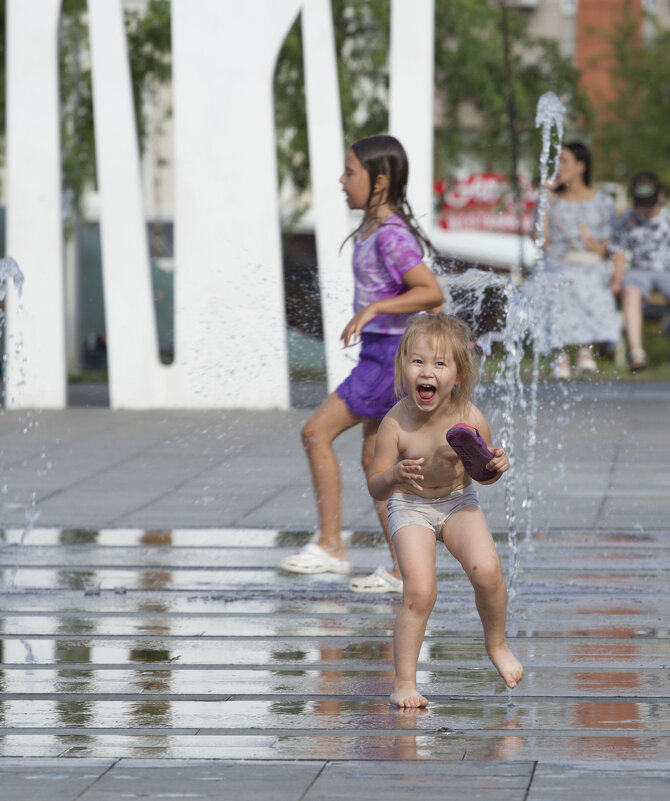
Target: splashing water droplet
(516, 326)
(10, 270)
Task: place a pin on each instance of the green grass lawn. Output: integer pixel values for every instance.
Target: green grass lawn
(656, 345)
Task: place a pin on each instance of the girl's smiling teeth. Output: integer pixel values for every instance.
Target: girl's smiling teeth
(426, 392)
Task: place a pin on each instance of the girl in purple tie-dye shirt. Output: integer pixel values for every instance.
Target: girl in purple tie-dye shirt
(392, 283)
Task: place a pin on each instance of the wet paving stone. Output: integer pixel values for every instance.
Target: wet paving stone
(188, 645)
(156, 652)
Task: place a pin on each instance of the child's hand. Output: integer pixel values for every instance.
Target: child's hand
(500, 462)
(408, 471)
(353, 328)
(595, 245)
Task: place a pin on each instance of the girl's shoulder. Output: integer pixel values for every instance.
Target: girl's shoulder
(385, 229)
(394, 236)
(391, 425)
(393, 227)
(473, 416)
(396, 414)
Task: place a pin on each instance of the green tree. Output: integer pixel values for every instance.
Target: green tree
(473, 88)
(77, 137)
(148, 34)
(361, 29)
(474, 82)
(150, 54)
(631, 126)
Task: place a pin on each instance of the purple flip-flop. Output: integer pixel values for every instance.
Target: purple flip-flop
(472, 450)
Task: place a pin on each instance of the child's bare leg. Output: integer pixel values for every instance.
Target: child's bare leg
(382, 514)
(328, 422)
(466, 534)
(415, 547)
(370, 428)
(632, 315)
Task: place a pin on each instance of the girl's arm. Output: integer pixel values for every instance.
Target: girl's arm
(423, 293)
(387, 473)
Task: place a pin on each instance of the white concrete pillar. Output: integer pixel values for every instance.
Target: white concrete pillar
(35, 334)
(229, 302)
(230, 322)
(136, 377)
(412, 70)
(326, 158)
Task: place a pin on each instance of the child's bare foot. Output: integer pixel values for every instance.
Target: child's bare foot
(506, 664)
(405, 695)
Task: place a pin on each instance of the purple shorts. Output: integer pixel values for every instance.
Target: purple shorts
(368, 391)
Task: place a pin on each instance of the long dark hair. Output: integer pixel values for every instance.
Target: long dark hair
(383, 154)
(583, 155)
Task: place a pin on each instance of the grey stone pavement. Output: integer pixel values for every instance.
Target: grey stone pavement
(150, 647)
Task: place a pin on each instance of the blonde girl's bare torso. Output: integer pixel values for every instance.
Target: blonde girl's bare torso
(425, 438)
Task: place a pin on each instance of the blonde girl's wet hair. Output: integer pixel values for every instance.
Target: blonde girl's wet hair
(442, 330)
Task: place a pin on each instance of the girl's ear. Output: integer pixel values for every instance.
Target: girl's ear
(381, 185)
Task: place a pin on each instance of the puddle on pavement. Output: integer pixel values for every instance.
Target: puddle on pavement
(147, 637)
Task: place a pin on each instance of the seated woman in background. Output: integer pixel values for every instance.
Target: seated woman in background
(580, 304)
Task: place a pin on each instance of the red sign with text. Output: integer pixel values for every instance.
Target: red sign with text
(484, 201)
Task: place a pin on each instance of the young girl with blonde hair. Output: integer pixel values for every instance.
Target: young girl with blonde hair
(430, 494)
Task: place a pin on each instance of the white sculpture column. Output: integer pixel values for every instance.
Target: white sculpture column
(412, 82)
(230, 325)
(326, 158)
(230, 340)
(231, 348)
(136, 377)
(35, 333)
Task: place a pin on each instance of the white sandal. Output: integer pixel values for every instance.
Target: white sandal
(637, 360)
(586, 364)
(314, 559)
(378, 582)
(561, 367)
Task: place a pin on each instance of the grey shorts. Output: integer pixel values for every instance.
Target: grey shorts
(411, 510)
(648, 281)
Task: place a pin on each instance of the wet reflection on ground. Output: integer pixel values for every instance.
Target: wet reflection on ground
(185, 643)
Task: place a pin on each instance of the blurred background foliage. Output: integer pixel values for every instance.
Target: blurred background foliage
(473, 84)
(149, 50)
(631, 130)
(477, 84)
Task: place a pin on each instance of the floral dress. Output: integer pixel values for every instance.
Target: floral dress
(577, 304)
